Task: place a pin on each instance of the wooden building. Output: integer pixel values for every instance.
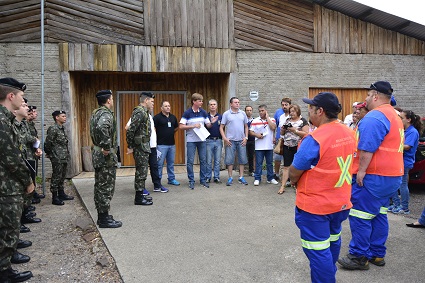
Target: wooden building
(219, 48)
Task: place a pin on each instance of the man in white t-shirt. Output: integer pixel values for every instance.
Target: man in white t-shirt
(262, 128)
(349, 118)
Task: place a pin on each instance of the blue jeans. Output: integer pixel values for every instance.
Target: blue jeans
(168, 153)
(202, 152)
(259, 156)
(214, 148)
(421, 219)
(229, 158)
(404, 192)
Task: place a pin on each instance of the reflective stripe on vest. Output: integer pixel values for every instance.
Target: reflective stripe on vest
(318, 246)
(383, 210)
(344, 166)
(361, 214)
(335, 237)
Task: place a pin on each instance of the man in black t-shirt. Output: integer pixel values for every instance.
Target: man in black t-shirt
(166, 125)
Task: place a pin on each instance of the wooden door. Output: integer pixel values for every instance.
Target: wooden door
(127, 102)
(346, 98)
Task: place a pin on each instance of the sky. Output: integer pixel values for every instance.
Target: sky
(408, 9)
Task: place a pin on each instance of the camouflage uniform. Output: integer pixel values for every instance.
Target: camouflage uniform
(26, 141)
(14, 179)
(103, 132)
(56, 146)
(138, 138)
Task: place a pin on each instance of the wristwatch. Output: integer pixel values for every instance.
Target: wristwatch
(246, 138)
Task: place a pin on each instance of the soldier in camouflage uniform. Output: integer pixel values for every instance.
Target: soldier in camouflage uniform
(26, 145)
(15, 180)
(138, 139)
(56, 148)
(32, 116)
(103, 132)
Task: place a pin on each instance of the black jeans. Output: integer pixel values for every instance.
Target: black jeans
(250, 153)
(153, 167)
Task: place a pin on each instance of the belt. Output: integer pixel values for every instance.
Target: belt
(214, 138)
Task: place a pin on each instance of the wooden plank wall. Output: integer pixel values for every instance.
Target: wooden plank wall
(274, 25)
(88, 21)
(194, 23)
(86, 84)
(132, 58)
(335, 32)
(20, 21)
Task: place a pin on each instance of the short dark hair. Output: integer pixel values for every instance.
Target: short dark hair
(262, 106)
(233, 98)
(287, 100)
(101, 100)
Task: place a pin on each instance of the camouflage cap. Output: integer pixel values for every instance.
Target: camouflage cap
(11, 82)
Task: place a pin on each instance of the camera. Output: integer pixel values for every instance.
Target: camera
(287, 126)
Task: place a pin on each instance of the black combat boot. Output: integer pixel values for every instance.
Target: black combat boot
(56, 200)
(37, 195)
(107, 221)
(140, 199)
(11, 275)
(18, 258)
(63, 196)
(22, 244)
(24, 229)
(25, 219)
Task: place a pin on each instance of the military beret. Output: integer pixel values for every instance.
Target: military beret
(25, 100)
(58, 112)
(103, 92)
(148, 94)
(31, 108)
(10, 82)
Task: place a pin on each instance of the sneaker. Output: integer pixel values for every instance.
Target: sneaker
(273, 181)
(276, 177)
(256, 182)
(391, 207)
(217, 181)
(174, 182)
(242, 181)
(229, 181)
(145, 192)
(191, 185)
(352, 263)
(163, 190)
(252, 174)
(208, 181)
(379, 261)
(400, 210)
(205, 185)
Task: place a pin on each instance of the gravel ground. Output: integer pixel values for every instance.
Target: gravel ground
(66, 245)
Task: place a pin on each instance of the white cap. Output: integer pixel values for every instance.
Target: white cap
(355, 103)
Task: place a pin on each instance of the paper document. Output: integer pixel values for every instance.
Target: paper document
(202, 133)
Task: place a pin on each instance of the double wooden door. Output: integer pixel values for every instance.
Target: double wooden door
(126, 103)
(346, 97)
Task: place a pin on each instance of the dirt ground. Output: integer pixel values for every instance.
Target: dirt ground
(66, 246)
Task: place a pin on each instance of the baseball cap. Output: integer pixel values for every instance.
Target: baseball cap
(361, 105)
(326, 100)
(382, 87)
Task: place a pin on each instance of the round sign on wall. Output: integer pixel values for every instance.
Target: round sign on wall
(253, 95)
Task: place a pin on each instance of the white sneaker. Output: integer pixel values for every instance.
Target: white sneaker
(256, 182)
(273, 181)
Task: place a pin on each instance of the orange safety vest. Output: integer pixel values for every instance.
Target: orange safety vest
(326, 188)
(388, 159)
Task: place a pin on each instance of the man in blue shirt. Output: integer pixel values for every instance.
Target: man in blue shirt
(379, 170)
(285, 103)
(195, 118)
